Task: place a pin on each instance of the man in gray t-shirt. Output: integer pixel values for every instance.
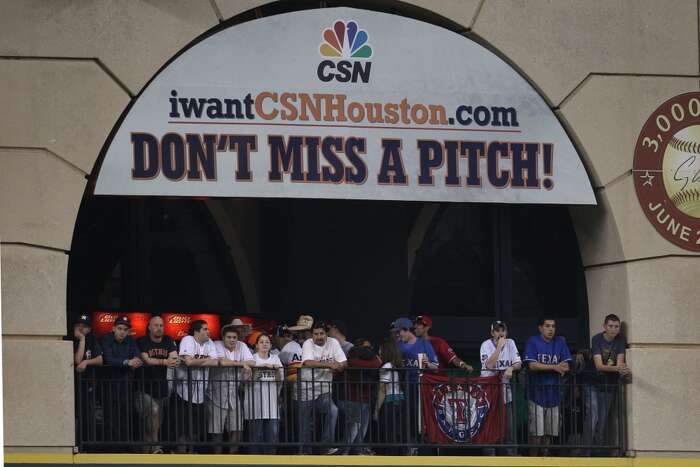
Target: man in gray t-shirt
(608, 352)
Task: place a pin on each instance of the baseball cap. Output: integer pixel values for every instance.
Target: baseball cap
(83, 319)
(402, 323)
(425, 320)
(498, 324)
(304, 323)
(123, 320)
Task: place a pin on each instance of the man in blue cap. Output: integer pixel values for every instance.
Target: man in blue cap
(411, 348)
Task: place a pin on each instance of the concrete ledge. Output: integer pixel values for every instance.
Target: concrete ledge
(241, 460)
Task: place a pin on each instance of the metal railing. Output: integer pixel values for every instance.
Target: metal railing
(264, 410)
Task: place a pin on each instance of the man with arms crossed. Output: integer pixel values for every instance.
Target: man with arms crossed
(224, 408)
(320, 357)
(159, 353)
(608, 350)
(547, 357)
(500, 357)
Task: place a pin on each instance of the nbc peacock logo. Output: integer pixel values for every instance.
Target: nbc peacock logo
(347, 42)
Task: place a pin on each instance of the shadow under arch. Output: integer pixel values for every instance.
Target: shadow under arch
(155, 255)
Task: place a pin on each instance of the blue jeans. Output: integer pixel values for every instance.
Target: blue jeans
(356, 423)
(306, 410)
(263, 430)
(597, 404)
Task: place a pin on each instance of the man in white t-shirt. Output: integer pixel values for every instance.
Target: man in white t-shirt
(499, 356)
(320, 357)
(198, 353)
(224, 409)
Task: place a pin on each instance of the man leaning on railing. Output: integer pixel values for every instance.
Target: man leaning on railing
(224, 409)
(548, 358)
(121, 353)
(198, 353)
(159, 353)
(608, 351)
(320, 356)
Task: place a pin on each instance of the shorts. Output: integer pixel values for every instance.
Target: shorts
(143, 402)
(221, 418)
(543, 421)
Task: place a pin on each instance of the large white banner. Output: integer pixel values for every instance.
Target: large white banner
(342, 103)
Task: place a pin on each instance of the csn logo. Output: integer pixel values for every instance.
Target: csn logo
(345, 41)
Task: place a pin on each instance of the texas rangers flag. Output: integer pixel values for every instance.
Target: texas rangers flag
(462, 410)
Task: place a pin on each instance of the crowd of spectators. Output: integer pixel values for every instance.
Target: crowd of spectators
(220, 393)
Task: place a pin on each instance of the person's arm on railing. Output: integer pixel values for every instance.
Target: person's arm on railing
(516, 363)
(619, 367)
(171, 361)
(82, 366)
(209, 361)
(562, 367)
(134, 354)
(332, 364)
(242, 363)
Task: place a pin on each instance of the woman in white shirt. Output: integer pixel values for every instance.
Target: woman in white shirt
(390, 411)
(260, 398)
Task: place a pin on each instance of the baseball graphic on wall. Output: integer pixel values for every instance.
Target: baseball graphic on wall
(666, 170)
(681, 169)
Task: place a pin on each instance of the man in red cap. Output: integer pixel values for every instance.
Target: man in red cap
(446, 355)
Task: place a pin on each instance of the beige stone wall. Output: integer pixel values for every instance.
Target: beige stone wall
(68, 69)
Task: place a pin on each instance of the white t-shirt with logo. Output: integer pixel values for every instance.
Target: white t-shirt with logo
(224, 381)
(198, 375)
(391, 377)
(260, 397)
(508, 357)
(317, 381)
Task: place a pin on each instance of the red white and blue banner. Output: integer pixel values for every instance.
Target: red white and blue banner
(462, 410)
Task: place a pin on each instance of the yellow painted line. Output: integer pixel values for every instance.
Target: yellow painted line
(666, 462)
(283, 460)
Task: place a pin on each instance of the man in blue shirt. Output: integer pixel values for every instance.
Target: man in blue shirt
(411, 347)
(547, 357)
(121, 354)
